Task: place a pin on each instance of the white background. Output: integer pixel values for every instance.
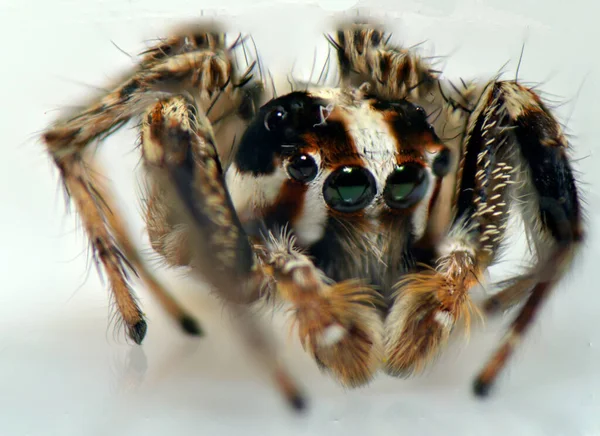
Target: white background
(63, 369)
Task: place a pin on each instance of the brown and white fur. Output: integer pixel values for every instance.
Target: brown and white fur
(378, 282)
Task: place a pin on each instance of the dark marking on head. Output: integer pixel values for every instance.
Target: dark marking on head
(408, 122)
(334, 144)
(294, 126)
(288, 206)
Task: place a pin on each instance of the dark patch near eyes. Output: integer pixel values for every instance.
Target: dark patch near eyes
(288, 206)
(408, 123)
(335, 146)
(260, 149)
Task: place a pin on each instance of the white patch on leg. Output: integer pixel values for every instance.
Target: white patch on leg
(331, 336)
(444, 318)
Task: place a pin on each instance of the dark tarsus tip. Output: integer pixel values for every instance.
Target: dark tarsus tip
(138, 331)
(481, 389)
(298, 403)
(191, 326)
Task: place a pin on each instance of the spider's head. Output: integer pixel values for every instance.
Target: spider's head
(308, 156)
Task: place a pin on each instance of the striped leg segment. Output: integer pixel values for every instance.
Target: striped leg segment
(551, 208)
(431, 301)
(180, 156)
(193, 61)
(339, 324)
(364, 55)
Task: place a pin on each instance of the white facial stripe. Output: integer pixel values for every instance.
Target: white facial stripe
(377, 143)
(373, 140)
(309, 225)
(249, 192)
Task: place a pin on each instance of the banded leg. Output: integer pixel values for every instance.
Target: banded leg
(208, 71)
(181, 157)
(364, 55)
(338, 323)
(430, 302)
(551, 209)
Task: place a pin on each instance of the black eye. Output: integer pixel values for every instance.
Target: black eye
(349, 189)
(441, 164)
(302, 168)
(405, 186)
(275, 118)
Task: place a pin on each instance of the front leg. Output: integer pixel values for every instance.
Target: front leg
(196, 61)
(513, 148)
(338, 323)
(181, 158)
(431, 301)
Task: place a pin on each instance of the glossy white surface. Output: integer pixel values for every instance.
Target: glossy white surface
(64, 372)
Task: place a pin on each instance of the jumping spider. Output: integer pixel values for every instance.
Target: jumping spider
(371, 208)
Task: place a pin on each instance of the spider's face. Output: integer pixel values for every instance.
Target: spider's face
(309, 156)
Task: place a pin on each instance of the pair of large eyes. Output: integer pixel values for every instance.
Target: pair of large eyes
(352, 188)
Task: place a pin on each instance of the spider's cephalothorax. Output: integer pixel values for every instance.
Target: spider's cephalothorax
(350, 175)
(345, 203)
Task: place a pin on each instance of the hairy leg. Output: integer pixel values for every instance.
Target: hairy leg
(203, 70)
(338, 323)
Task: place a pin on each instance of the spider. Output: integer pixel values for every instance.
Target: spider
(372, 208)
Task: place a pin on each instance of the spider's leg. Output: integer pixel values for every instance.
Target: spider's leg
(431, 301)
(118, 229)
(365, 56)
(180, 155)
(338, 323)
(550, 205)
(205, 71)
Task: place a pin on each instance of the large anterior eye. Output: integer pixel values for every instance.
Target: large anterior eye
(275, 118)
(302, 168)
(349, 188)
(405, 186)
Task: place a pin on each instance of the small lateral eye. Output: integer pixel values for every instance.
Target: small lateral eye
(349, 188)
(441, 164)
(275, 118)
(302, 168)
(405, 186)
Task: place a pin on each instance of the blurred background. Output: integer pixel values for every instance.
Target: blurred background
(65, 370)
